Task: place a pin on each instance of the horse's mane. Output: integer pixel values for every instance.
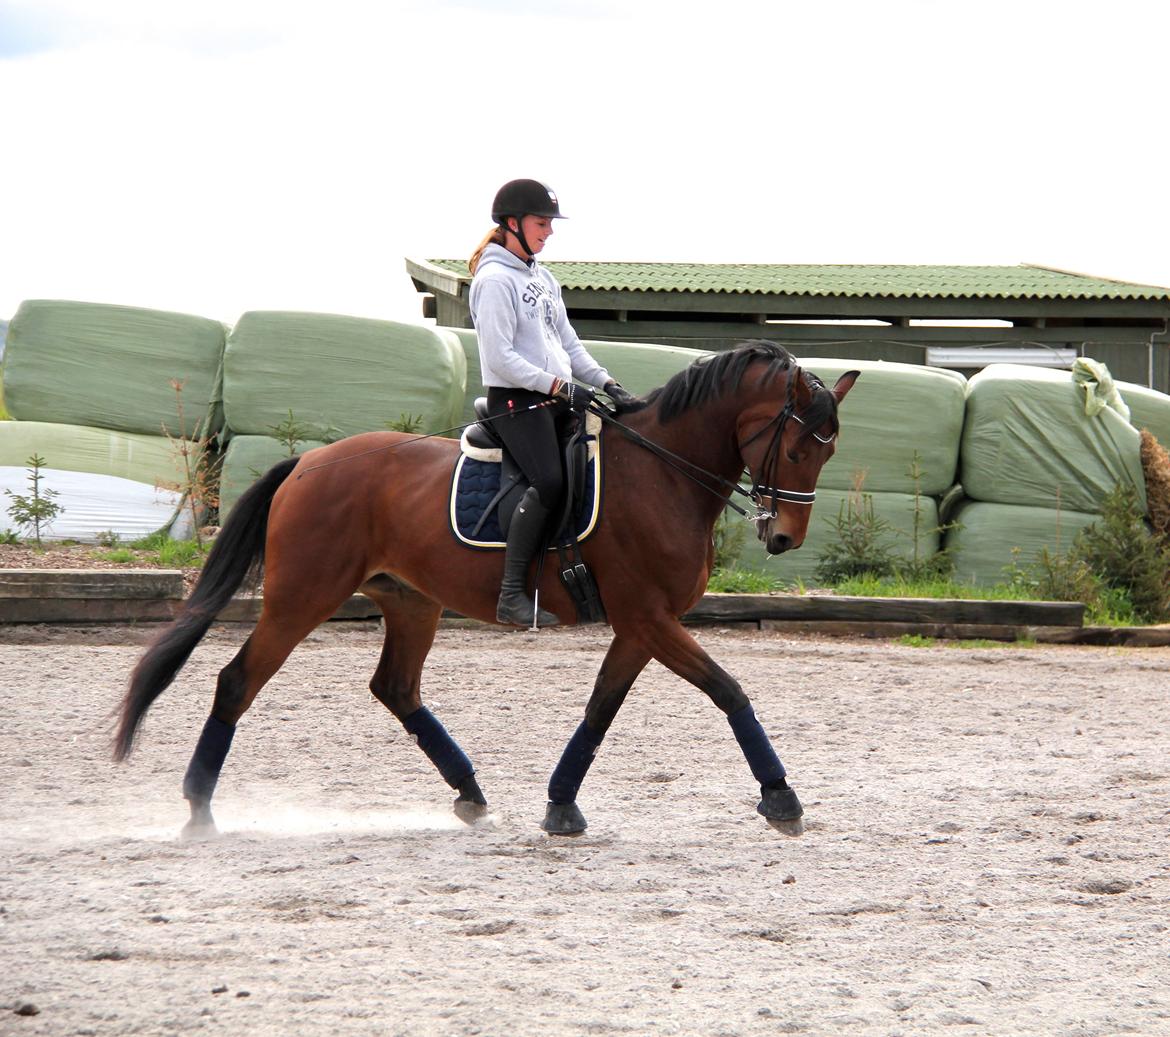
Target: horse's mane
(709, 377)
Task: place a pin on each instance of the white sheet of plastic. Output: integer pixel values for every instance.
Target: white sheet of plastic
(91, 504)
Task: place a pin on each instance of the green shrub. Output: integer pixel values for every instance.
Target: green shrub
(1115, 566)
(1126, 558)
(34, 512)
(861, 545)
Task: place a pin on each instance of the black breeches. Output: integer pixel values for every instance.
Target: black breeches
(531, 437)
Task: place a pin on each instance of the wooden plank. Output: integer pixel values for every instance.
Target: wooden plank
(246, 609)
(87, 610)
(835, 608)
(943, 631)
(89, 584)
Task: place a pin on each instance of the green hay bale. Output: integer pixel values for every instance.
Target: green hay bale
(339, 375)
(77, 363)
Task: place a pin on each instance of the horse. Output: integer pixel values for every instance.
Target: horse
(369, 514)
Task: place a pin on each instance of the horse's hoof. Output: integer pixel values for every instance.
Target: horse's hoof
(469, 812)
(563, 819)
(199, 831)
(792, 828)
(782, 810)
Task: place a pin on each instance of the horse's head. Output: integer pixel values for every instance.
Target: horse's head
(785, 438)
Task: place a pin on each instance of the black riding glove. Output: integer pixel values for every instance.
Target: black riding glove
(576, 396)
(616, 393)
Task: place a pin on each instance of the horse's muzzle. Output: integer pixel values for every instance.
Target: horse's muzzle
(774, 543)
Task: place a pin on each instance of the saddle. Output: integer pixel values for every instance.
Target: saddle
(488, 484)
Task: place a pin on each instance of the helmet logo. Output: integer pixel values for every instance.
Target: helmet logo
(552, 197)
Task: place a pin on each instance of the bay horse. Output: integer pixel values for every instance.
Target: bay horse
(370, 514)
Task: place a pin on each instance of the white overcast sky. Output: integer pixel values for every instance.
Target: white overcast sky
(227, 155)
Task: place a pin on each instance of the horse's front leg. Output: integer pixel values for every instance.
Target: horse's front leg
(672, 646)
(623, 662)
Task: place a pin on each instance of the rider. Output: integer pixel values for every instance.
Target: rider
(529, 354)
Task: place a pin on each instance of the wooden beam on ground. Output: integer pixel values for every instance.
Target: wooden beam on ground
(862, 611)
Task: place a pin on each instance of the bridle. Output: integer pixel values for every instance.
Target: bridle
(719, 486)
(776, 493)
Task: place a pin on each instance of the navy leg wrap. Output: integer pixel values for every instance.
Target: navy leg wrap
(761, 757)
(574, 764)
(210, 752)
(442, 750)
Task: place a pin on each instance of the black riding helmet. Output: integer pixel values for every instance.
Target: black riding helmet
(520, 198)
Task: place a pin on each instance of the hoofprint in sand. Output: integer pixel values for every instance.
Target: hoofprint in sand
(985, 846)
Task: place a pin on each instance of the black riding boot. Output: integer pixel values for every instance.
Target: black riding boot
(525, 537)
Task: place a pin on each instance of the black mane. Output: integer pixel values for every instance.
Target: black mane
(709, 377)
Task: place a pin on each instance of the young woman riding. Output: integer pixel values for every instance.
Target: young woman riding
(529, 354)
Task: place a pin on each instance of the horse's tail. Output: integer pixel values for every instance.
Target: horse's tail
(238, 552)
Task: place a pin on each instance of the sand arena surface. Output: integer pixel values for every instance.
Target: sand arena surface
(986, 846)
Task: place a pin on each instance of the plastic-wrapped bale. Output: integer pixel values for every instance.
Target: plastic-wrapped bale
(339, 375)
(112, 367)
(1027, 441)
(898, 509)
(1148, 409)
(638, 366)
(106, 481)
(474, 383)
(990, 537)
(98, 451)
(245, 460)
(894, 412)
(92, 506)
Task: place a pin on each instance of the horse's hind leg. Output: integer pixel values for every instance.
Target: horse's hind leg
(238, 685)
(411, 622)
(623, 662)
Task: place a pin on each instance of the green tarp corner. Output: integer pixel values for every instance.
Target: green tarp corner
(89, 364)
(1027, 441)
(339, 375)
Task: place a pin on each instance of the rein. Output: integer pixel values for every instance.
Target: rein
(726, 486)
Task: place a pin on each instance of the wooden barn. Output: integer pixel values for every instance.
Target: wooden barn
(959, 317)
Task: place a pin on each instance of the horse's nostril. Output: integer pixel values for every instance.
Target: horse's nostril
(780, 542)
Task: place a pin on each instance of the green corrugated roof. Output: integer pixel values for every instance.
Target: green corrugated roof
(896, 282)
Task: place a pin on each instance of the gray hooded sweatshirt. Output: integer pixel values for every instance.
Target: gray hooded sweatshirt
(525, 338)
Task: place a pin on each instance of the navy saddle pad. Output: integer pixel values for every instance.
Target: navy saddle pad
(477, 481)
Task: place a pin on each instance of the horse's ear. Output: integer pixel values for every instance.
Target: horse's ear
(845, 383)
(803, 395)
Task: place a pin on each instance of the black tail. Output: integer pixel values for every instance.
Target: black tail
(238, 553)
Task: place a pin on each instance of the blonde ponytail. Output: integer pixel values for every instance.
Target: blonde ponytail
(495, 236)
